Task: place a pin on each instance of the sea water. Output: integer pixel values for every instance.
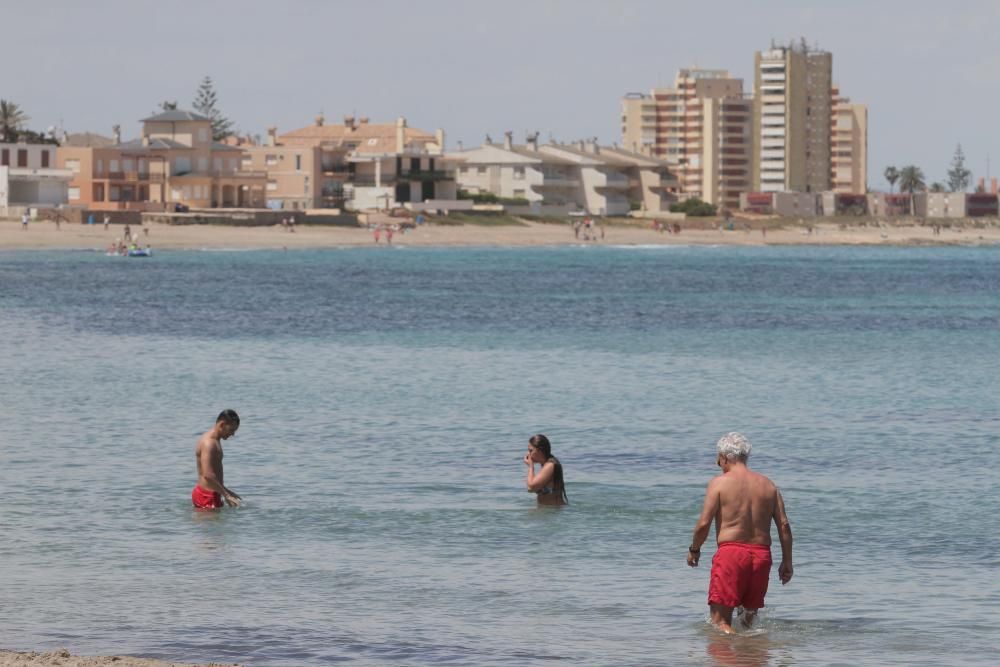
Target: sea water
(387, 396)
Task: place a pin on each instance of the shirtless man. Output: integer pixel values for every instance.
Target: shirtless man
(210, 491)
(743, 503)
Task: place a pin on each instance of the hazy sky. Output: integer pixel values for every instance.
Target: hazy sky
(927, 71)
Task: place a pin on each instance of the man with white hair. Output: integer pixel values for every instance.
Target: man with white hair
(743, 504)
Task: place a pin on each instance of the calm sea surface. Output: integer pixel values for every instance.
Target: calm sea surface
(387, 396)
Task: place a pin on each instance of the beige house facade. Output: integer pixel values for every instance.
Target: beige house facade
(356, 165)
(848, 146)
(597, 179)
(175, 163)
(701, 127)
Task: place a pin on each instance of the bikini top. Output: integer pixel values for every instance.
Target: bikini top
(552, 488)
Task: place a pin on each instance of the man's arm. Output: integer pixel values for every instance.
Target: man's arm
(785, 536)
(543, 478)
(704, 524)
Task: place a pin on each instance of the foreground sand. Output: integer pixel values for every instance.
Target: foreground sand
(62, 658)
(44, 235)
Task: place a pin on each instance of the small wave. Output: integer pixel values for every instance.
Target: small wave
(650, 246)
(233, 249)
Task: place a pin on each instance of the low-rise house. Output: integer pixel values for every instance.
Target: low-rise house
(955, 204)
(356, 165)
(174, 163)
(889, 204)
(785, 204)
(839, 203)
(29, 177)
(600, 180)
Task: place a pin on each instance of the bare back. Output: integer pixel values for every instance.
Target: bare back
(208, 454)
(747, 504)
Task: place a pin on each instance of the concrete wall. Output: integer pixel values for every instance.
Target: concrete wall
(796, 204)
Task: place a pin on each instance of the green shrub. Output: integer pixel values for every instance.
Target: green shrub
(694, 207)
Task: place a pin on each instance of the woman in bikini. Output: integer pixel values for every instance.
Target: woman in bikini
(548, 482)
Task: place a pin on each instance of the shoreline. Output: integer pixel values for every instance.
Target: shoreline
(63, 658)
(43, 235)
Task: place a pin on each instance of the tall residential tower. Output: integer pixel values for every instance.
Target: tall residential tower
(701, 127)
(793, 104)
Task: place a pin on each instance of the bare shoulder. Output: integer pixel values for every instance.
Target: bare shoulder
(206, 441)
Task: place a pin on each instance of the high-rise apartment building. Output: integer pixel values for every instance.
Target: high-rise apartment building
(848, 146)
(793, 104)
(701, 127)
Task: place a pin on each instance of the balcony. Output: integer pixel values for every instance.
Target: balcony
(131, 176)
(557, 182)
(337, 168)
(425, 175)
(368, 180)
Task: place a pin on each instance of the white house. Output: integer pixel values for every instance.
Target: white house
(28, 178)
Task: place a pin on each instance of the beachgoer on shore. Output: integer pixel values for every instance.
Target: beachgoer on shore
(378, 233)
(211, 490)
(388, 234)
(743, 504)
(128, 232)
(24, 221)
(548, 483)
(107, 221)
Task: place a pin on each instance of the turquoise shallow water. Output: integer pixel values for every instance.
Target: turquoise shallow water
(387, 396)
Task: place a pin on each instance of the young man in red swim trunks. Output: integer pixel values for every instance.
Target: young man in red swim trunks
(743, 504)
(210, 491)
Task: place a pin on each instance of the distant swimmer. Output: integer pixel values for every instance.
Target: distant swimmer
(210, 491)
(548, 483)
(743, 504)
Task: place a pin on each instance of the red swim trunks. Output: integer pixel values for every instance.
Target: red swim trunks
(205, 500)
(739, 575)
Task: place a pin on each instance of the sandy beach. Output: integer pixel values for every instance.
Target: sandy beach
(45, 235)
(62, 658)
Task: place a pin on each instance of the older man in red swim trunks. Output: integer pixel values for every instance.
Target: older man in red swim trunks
(210, 491)
(743, 504)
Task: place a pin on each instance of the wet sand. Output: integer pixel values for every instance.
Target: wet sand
(62, 658)
(45, 235)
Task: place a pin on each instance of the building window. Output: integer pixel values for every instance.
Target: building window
(202, 134)
(114, 166)
(519, 173)
(272, 186)
(298, 163)
(270, 160)
(371, 142)
(203, 164)
(22, 157)
(73, 165)
(73, 194)
(45, 159)
(481, 170)
(519, 193)
(247, 163)
(5, 157)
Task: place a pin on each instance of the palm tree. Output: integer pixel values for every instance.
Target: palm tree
(892, 175)
(911, 179)
(12, 117)
(937, 187)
